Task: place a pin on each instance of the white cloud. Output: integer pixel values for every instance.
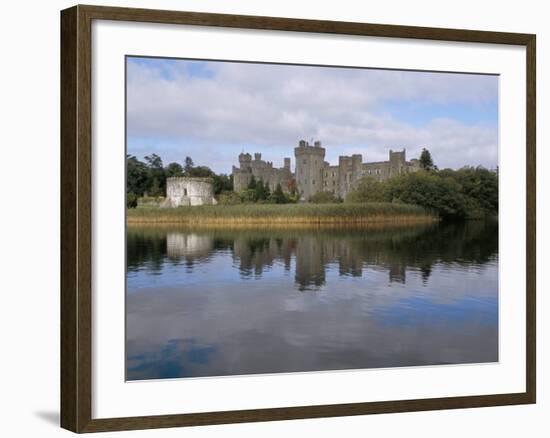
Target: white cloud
(273, 106)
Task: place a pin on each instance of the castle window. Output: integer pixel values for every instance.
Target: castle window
(184, 192)
(313, 182)
(305, 161)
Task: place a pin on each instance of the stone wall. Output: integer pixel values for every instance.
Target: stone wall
(182, 191)
(262, 171)
(379, 171)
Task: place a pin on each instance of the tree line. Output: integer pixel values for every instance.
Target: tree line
(258, 191)
(148, 177)
(469, 192)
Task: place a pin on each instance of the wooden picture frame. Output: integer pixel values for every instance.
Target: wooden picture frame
(76, 217)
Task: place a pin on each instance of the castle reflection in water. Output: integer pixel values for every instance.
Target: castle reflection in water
(235, 301)
(311, 251)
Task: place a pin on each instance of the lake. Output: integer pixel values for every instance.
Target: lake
(216, 302)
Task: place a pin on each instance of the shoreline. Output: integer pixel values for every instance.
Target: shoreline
(283, 222)
(294, 215)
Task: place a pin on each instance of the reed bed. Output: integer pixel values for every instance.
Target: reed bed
(283, 215)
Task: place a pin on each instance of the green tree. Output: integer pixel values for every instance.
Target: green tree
(201, 172)
(252, 183)
(188, 166)
(267, 191)
(173, 170)
(248, 196)
(261, 194)
(480, 185)
(153, 161)
(222, 183)
(229, 198)
(426, 161)
(431, 191)
(157, 176)
(467, 193)
(369, 190)
(131, 200)
(278, 196)
(324, 198)
(155, 189)
(137, 176)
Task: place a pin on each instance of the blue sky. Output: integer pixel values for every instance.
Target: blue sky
(213, 110)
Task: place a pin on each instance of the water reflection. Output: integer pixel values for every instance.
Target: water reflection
(205, 302)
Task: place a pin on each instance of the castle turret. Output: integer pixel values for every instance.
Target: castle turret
(286, 165)
(356, 165)
(344, 174)
(309, 168)
(244, 160)
(397, 162)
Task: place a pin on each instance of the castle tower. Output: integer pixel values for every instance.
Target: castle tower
(344, 175)
(356, 168)
(287, 164)
(309, 168)
(242, 175)
(397, 163)
(244, 161)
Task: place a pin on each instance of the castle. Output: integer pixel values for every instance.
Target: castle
(314, 174)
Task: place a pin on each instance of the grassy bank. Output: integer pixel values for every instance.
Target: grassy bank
(274, 214)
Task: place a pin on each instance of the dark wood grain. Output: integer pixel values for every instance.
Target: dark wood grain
(69, 327)
(300, 25)
(76, 222)
(531, 216)
(76, 232)
(303, 412)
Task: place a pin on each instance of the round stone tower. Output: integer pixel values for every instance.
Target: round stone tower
(185, 191)
(309, 168)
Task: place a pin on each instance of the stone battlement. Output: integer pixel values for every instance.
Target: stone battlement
(305, 148)
(190, 179)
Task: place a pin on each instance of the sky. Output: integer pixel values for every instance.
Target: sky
(214, 110)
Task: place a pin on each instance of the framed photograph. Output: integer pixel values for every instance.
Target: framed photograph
(269, 218)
